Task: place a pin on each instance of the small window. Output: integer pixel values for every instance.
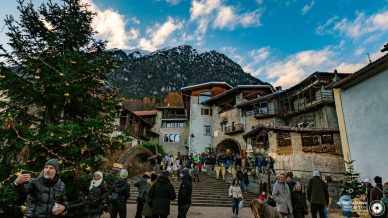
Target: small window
(171, 137)
(207, 129)
(206, 112)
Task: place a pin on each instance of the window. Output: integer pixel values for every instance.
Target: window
(207, 131)
(327, 139)
(204, 96)
(284, 139)
(310, 140)
(173, 124)
(263, 108)
(206, 112)
(171, 137)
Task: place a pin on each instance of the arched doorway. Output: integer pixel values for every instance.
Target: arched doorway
(228, 147)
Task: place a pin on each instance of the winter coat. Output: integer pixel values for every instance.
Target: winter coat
(345, 202)
(298, 200)
(185, 191)
(142, 188)
(282, 195)
(317, 192)
(240, 175)
(97, 199)
(120, 192)
(161, 194)
(43, 194)
(235, 192)
(246, 178)
(376, 193)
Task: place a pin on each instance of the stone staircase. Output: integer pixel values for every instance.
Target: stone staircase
(209, 192)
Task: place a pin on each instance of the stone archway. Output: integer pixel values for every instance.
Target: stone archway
(228, 147)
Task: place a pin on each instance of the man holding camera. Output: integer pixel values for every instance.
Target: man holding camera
(46, 193)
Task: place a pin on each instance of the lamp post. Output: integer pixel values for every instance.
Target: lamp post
(191, 137)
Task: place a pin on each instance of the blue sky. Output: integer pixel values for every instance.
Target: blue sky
(279, 41)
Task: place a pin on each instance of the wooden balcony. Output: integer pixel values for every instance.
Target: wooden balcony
(174, 116)
(234, 129)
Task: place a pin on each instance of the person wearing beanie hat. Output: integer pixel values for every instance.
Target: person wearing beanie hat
(376, 193)
(43, 191)
(317, 195)
(120, 195)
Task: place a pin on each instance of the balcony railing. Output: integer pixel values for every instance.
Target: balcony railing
(233, 129)
(174, 116)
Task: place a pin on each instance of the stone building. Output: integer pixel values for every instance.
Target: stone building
(362, 105)
(298, 127)
(227, 121)
(200, 115)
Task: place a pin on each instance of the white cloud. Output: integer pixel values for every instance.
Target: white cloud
(360, 26)
(307, 7)
(259, 55)
(225, 17)
(220, 16)
(349, 68)
(159, 34)
(203, 7)
(135, 20)
(110, 25)
(296, 67)
(250, 19)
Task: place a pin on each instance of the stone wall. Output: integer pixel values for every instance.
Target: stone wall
(302, 163)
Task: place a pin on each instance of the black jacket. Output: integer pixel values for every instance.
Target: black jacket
(120, 192)
(160, 196)
(42, 194)
(97, 199)
(185, 191)
(299, 203)
(317, 192)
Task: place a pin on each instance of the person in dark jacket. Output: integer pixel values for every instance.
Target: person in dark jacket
(245, 180)
(120, 195)
(240, 178)
(376, 193)
(298, 199)
(97, 198)
(318, 195)
(290, 180)
(43, 192)
(184, 194)
(160, 196)
(143, 188)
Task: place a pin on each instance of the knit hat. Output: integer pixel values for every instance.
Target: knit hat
(378, 180)
(123, 174)
(316, 173)
(54, 163)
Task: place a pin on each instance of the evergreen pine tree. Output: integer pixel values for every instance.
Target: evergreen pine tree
(351, 183)
(55, 101)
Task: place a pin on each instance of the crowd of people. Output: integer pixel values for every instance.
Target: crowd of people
(45, 194)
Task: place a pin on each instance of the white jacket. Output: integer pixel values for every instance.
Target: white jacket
(235, 192)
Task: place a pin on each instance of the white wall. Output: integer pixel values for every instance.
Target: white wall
(197, 122)
(365, 108)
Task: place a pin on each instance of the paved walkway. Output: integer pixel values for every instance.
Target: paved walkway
(200, 212)
(213, 212)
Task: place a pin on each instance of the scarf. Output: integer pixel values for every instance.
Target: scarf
(95, 183)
